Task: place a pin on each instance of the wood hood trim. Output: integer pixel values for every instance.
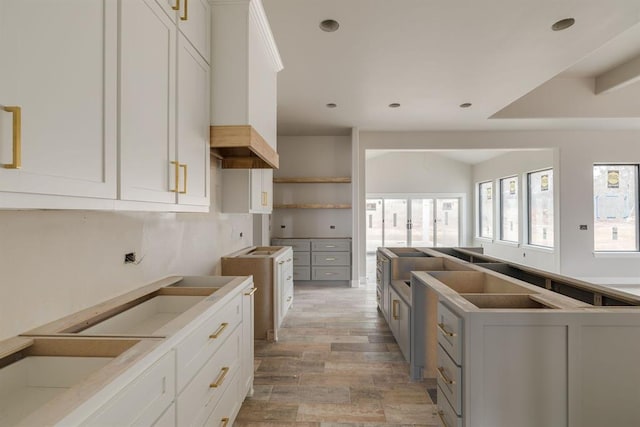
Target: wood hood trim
(242, 147)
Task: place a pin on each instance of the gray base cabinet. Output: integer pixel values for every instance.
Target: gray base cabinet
(319, 259)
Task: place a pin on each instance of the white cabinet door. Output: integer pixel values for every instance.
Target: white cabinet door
(147, 109)
(261, 190)
(195, 24)
(193, 126)
(61, 70)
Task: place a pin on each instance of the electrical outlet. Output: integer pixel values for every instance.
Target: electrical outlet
(333, 227)
(130, 258)
(283, 226)
(583, 227)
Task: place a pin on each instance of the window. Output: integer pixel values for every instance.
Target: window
(509, 209)
(615, 205)
(541, 208)
(485, 209)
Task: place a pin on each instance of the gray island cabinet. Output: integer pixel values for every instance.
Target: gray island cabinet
(512, 354)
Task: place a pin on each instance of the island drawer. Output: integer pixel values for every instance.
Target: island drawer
(209, 385)
(330, 273)
(301, 245)
(450, 333)
(331, 245)
(447, 415)
(197, 348)
(331, 258)
(450, 380)
(301, 273)
(142, 401)
(301, 258)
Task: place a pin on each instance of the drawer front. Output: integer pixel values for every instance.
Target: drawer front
(302, 245)
(197, 348)
(331, 245)
(227, 409)
(450, 380)
(301, 273)
(450, 333)
(200, 396)
(301, 258)
(330, 273)
(331, 258)
(144, 401)
(446, 414)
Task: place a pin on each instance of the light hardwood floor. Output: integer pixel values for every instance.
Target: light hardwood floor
(336, 365)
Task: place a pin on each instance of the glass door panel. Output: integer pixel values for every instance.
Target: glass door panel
(447, 222)
(374, 225)
(421, 222)
(395, 222)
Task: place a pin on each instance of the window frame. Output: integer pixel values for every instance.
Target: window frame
(500, 186)
(480, 211)
(636, 207)
(528, 217)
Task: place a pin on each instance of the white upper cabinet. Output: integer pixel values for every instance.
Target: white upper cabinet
(164, 151)
(147, 103)
(59, 66)
(193, 18)
(246, 58)
(193, 126)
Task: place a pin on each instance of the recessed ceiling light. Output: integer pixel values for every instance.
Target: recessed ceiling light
(331, 105)
(563, 24)
(465, 105)
(394, 105)
(329, 25)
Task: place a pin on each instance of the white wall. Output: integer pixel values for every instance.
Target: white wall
(517, 163)
(54, 263)
(422, 172)
(313, 156)
(576, 153)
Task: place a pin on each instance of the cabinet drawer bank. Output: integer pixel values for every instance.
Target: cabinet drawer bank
(143, 380)
(319, 259)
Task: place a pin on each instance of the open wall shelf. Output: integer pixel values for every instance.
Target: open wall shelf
(314, 180)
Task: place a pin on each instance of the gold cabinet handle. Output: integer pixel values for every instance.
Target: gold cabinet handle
(220, 380)
(444, 330)
(394, 309)
(329, 259)
(176, 6)
(441, 416)
(288, 259)
(265, 198)
(281, 262)
(176, 172)
(217, 333)
(253, 291)
(224, 422)
(289, 299)
(444, 376)
(184, 166)
(17, 137)
(185, 11)
(289, 278)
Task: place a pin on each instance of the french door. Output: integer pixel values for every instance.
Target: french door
(413, 221)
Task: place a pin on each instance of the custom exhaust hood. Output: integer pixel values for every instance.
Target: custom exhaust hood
(242, 147)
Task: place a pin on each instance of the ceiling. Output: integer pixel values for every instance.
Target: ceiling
(433, 55)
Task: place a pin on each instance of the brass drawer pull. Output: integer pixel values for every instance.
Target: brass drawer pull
(329, 259)
(444, 377)
(220, 380)
(444, 331)
(394, 310)
(253, 291)
(177, 5)
(17, 137)
(329, 246)
(176, 172)
(217, 333)
(281, 262)
(441, 415)
(185, 14)
(224, 422)
(289, 299)
(184, 166)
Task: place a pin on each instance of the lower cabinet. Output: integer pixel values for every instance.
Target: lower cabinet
(319, 259)
(144, 401)
(400, 322)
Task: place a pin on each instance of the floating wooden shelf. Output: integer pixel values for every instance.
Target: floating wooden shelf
(313, 206)
(312, 180)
